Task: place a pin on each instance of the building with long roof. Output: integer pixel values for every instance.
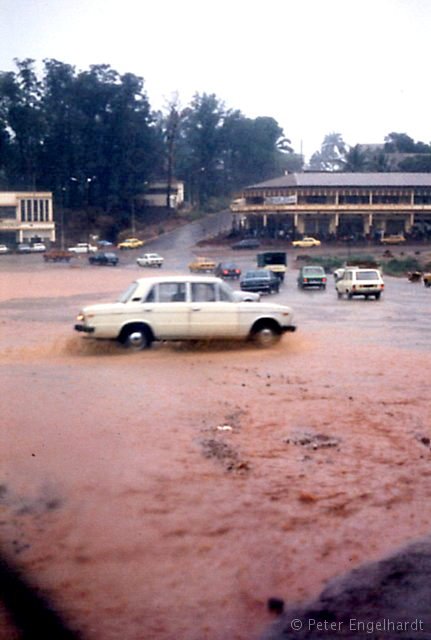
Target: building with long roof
(330, 204)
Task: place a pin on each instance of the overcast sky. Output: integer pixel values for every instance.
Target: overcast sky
(355, 67)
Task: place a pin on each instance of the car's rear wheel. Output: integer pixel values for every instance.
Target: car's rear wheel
(378, 295)
(266, 335)
(136, 338)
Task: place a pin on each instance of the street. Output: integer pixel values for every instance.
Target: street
(170, 493)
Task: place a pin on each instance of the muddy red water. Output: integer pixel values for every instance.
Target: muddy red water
(168, 494)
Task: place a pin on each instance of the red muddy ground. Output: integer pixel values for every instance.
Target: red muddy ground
(168, 494)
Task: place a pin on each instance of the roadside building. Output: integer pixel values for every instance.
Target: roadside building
(329, 204)
(155, 194)
(26, 217)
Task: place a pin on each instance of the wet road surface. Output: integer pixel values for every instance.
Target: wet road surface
(169, 494)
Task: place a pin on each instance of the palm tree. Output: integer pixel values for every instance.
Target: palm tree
(356, 160)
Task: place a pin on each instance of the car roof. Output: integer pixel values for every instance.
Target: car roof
(178, 278)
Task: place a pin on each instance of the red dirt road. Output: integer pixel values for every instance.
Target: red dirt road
(168, 494)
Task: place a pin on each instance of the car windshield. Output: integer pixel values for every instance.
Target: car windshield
(128, 293)
(367, 275)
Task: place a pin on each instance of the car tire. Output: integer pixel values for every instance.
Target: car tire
(378, 296)
(266, 335)
(349, 295)
(136, 338)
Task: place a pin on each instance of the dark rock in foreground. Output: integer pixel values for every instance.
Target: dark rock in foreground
(386, 599)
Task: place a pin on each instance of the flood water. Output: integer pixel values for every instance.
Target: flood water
(170, 493)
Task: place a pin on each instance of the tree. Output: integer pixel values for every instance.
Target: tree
(170, 126)
(331, 155)
(23, 120)
(355, 160)
(199, 147)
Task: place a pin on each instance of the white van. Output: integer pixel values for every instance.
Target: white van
(355, 281)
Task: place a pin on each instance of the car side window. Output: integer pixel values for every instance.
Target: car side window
(172, 292)
(151, 296)
(203, 292)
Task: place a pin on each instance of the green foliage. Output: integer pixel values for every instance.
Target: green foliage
(397, 267)
(91, 137)
(331, 155)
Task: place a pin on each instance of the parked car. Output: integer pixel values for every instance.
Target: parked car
(150, 260)
(393, 239)
(202, 265)
(38, 247)
(260, 280)
(306, 243)
(227, 270)
(23, 247)
(83, 247)
(104, 258)
(184, 308)
(247, 243)
(312, 276)
(131, 243)
(4, 248)
(356, 281)
(105, 244)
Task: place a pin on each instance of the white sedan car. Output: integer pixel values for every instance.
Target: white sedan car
(150, 260)
(184, 308)
(83, 247)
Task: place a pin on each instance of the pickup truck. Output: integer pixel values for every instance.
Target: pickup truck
(58, 255)
(150, 260)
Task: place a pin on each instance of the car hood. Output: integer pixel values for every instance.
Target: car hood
(108, 307)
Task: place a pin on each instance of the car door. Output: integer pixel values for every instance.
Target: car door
(166, 310)
(213, 314)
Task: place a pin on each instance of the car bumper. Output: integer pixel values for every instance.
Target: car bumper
(83, 328)
(313, 283)
(288, 329)
(255, 287)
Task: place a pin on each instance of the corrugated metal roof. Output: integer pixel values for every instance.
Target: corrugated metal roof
(335, 179)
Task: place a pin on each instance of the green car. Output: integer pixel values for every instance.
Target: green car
(312, 276)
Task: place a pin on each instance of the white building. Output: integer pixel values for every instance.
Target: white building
(26, 216)
(155, 194)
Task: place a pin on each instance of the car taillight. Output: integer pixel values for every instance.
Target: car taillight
(237, 271)
(225, 272)
(324, 279)
(354, 287)
(305, 279)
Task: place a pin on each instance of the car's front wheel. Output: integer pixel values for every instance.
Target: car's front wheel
(265, 335)
(135, 338)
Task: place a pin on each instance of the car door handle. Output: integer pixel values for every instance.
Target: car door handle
(196, 308)
(147, 309)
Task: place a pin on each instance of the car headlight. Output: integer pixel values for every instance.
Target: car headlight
(80, 317)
